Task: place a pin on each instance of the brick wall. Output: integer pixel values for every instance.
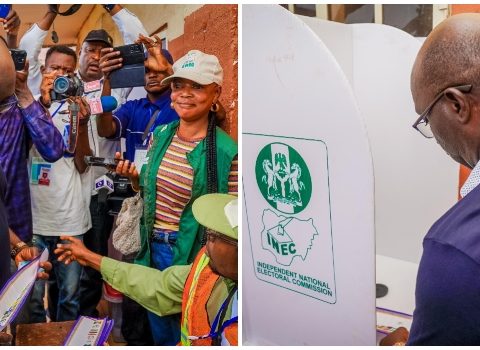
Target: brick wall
(213, 29)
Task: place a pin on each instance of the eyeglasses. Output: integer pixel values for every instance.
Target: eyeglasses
(421, 124)
(212, 236)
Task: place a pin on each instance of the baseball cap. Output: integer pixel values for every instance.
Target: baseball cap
(99, 35)
(219, 212)
(199, 67)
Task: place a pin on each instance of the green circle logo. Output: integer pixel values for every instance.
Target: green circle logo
(283, 178)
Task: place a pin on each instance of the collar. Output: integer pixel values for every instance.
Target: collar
(472, 181)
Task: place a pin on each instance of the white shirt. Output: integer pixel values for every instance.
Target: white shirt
(60, 206)
(472, 181)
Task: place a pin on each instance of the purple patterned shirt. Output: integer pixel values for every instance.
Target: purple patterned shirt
(19, 127)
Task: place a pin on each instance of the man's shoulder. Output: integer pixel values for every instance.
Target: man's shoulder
(459, 227)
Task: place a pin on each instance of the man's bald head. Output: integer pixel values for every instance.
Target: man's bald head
(7, 69)
(449, 56)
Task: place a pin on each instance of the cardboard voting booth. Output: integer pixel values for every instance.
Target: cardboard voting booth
(415, 181)
(308, 211)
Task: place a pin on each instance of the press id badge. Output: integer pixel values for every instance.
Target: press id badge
(40, 172)
(140, 157)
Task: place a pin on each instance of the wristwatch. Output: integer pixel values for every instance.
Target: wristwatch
(17, 248)
(108, 7)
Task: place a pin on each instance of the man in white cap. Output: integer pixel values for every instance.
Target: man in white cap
(205, 291)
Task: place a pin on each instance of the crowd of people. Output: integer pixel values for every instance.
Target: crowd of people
(183, 165)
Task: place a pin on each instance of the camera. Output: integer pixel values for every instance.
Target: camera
(65, 86)
(132, 72)
(122, 188)
(19, 58)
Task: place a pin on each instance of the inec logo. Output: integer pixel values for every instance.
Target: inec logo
(284, 181)
(283, 178)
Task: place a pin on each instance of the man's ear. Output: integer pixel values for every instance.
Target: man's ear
(458, 104)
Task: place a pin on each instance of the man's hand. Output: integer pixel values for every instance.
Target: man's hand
(46, 87)
(11, 23)
(75, 250)
(109, 61)
(127, 169)
(24, 95)
(30, 253)
(397, 337)
(155, 59)
(84, 112)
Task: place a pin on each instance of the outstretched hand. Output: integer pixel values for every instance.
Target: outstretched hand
(110, 60)
(75, 250)
(156, 61)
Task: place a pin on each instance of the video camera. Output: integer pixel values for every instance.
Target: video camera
(112, 189)
(132, 72)
(65, 86)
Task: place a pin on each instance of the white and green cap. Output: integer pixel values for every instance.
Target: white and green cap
(218, 212)
(199, 67)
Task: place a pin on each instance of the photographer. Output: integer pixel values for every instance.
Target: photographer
(59, 204)
(23, 121)
(135, 120)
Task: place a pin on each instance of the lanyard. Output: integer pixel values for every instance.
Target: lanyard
(149, 126)
(56, 111)
(214, 334)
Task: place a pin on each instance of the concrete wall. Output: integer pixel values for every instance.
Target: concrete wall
(210, 28)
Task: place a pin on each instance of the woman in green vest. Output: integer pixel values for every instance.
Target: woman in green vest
(186, 159)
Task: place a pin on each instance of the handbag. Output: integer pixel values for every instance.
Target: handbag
(126, 237)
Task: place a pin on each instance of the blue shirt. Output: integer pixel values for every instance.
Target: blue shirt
(447, 295)
(132, 118)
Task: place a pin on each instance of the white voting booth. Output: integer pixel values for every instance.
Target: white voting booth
(312, 91)
(308, 224)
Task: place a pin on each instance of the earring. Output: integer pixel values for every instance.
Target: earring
(172, 105)
(215, 107)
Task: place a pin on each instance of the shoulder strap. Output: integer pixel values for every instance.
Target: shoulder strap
(217, 339)
(150, 123)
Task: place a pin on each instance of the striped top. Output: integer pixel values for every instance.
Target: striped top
(175, 181)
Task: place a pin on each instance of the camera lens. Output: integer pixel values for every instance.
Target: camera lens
(61, 85)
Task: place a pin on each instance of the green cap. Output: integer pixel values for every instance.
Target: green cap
(218, 212)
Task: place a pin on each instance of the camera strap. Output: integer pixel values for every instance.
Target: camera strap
(149, 125)
(71, 10)
(74, 108)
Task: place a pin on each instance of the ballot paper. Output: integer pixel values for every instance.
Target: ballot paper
(15, 292)
(389, 320)
(88, 331)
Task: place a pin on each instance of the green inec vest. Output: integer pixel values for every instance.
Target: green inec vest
(190, 236)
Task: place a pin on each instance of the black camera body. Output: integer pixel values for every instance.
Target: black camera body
(122, 188)
(66, 86)
(132, 72)
(19, 58)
